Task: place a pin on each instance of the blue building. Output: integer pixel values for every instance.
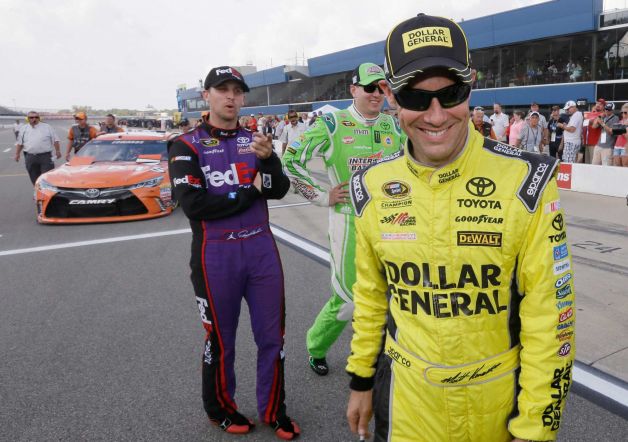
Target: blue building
(550, 53)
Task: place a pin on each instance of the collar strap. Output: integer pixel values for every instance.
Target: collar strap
(217, 132)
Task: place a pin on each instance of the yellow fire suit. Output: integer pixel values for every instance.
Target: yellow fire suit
(465, 290)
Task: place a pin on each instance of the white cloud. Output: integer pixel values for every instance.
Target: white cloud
(123, 53)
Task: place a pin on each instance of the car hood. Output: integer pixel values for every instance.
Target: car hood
(104, 174)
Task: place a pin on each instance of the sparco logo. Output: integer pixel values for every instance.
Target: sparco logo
(92, 202)
(558, 223)
(480, 186)
(357, 189)
(398, 357)
(536, 179)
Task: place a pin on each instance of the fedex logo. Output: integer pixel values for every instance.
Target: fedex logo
(565, 174)
(238, 173)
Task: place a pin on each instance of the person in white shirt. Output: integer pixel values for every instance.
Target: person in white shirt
(292, 131)
(16, 128)
(500, 122)
(37, 140)
(572, 132)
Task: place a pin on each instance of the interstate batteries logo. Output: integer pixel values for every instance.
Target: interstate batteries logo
(359, 163)
(401, 219)
(482, 239)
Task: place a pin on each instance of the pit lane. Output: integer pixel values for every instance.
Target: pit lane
(102, 341)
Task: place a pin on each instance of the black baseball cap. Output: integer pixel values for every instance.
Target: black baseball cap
(219, 75)
(425, 42)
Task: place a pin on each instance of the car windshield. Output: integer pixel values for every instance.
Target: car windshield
(123, 150)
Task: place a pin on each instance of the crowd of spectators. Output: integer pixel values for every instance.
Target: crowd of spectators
(568, 133)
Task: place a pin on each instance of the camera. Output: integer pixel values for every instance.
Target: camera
(619, 129)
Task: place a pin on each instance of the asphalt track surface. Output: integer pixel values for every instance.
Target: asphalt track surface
(103, 341)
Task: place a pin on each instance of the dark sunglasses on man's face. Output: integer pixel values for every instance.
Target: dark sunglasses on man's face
(370, 88)
(34, 118)
(420, 100)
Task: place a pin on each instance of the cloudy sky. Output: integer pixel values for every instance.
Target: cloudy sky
(134, 53)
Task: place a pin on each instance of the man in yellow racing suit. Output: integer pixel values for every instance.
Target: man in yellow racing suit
(464, 281)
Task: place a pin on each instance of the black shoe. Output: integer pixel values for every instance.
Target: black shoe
(234, 423)
(285, 428)
(319, 366)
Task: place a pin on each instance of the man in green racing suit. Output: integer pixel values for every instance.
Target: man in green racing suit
(347, 140)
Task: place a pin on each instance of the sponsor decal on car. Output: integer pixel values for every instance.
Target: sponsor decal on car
(92, 202)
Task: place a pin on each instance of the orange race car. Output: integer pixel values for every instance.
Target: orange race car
(115, 177)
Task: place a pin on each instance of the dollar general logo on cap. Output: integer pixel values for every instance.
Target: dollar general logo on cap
(421, 37)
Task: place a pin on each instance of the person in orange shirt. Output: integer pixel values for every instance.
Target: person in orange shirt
(79, 134)
(252, 124)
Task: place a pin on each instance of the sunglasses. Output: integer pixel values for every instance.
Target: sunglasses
(370, 88)
(420, 100)
(33, 118)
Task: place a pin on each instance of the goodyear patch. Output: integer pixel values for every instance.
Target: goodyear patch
(428, 36)
(482, 239)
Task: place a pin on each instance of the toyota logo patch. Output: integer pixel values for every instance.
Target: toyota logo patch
(480, 186)
(92, 193)
(558, 223)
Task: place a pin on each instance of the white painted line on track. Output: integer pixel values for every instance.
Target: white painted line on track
(69, 245)
(589, 380)
(300, 243)
(602, 386)
(307, 203)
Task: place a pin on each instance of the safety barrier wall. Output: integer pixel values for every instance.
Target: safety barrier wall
(600, 180)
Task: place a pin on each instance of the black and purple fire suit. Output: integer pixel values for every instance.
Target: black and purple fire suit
(234, 256)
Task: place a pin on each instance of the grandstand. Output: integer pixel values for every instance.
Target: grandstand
(6, 112)
(549, 53)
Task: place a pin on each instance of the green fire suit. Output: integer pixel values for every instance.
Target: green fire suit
(347, 142)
